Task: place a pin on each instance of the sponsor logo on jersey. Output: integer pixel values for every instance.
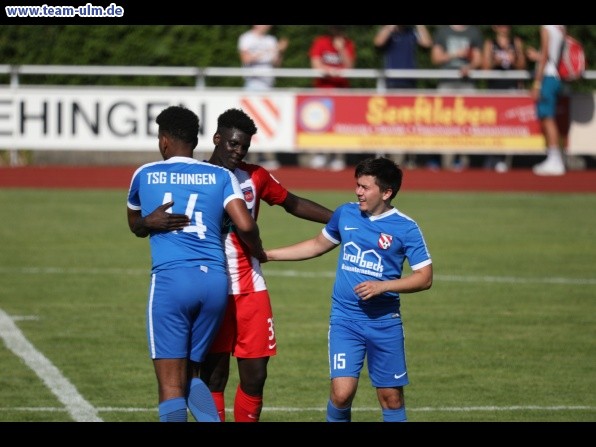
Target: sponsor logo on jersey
(368, 261)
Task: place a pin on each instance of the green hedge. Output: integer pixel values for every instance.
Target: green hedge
(201, 45)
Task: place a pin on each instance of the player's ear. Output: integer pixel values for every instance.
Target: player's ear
(216, 138)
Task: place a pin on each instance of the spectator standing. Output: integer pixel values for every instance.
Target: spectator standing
(365, 319)
(456, 47)
(331, 53)
(188, 292)
(545, 91)
(399, 45)
(260, 50)
(503, 51)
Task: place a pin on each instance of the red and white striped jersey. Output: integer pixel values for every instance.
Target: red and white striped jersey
(257, 184)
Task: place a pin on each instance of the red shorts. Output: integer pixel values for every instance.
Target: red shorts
(247, 330)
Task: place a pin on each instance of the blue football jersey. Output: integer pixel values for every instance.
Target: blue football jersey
(372, 248)
(201, 191)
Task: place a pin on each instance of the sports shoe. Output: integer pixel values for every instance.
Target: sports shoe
(550, 166)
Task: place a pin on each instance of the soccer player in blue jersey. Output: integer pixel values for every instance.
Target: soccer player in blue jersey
(189, 283)
(247, 331)
(375, 239)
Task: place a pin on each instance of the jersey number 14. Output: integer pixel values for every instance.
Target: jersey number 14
(196, 223)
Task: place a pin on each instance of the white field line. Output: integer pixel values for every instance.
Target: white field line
(300, 274)
(81, 410)
(323, 409)
(78, 408)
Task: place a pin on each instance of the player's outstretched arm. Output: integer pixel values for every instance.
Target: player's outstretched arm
(306, 209)
(310, 248)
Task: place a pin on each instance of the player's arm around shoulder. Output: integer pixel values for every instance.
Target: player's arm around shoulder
(306, 209)
(158, 220)
(135, 223)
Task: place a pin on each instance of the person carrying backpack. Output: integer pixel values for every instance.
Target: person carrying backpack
(545, 91)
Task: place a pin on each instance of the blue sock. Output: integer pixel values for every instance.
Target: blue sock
(398, 415)
(337, 414)
(173, 410)
(200, 402)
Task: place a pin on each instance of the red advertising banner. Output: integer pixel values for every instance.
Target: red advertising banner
(421, 123)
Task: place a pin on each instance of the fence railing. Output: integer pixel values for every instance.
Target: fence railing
(17, 74)
(201, 74)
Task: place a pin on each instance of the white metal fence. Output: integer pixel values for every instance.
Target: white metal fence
(202, 74)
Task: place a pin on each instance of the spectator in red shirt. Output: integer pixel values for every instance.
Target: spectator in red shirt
(331, 53)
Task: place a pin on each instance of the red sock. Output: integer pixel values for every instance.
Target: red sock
(220, 405)
(247, 408)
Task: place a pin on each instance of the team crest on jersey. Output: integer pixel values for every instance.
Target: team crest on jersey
(385, 241)
(249, 195)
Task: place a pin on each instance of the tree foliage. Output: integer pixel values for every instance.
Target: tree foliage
(202, 46)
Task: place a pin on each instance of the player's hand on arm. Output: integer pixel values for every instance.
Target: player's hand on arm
(369, 289)
(418, 280)
(246, 227)
(310, 248)
(158, 220)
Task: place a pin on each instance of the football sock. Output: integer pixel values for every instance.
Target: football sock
(398, 415)
(218, 398)
(173, 410)
(247, 408)
(338, 414)
(201, 403)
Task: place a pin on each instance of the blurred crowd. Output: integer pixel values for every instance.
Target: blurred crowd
(454, 47)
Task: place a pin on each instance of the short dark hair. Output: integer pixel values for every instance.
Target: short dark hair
(236, 119)
(180, 123)
(388, 175)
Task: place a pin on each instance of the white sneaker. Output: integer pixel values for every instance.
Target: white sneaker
(318, 161)
(550, 166)
(337, 165)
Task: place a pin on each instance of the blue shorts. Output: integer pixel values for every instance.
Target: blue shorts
(380, 341)
(546, 107)
(185, 309)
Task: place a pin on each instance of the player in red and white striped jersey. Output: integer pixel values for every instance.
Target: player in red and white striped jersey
(248, 332)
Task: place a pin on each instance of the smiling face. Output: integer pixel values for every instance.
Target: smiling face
(371, 199)
(231, 146)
